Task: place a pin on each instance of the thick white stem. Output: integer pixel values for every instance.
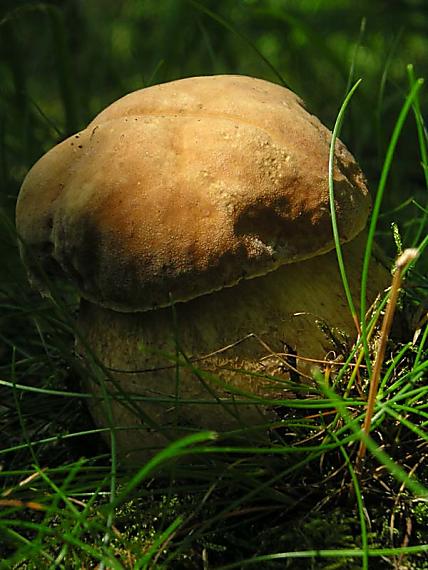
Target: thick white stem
(233, 335)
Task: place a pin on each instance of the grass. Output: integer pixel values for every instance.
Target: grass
(66, 501)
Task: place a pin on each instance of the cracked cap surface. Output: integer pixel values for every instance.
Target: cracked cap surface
(181, 189)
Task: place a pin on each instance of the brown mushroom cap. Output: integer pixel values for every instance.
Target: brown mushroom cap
(184, 188)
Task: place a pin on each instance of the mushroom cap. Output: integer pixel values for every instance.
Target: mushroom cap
(181, 189)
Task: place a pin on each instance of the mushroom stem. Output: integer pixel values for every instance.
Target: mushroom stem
(208, 362)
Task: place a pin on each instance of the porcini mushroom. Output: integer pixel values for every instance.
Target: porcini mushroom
(197, 211)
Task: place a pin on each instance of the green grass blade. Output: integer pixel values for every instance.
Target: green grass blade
(180, 446)
(342, 553)
(379, 195)
(422, 139)
(231, 28)
(360, 506)
(398, 472)
(334, 136)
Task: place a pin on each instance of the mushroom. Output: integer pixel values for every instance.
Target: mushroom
(193, 218)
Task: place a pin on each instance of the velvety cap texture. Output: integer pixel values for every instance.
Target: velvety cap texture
(184, 188)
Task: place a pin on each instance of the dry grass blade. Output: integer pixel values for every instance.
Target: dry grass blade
(403, 260)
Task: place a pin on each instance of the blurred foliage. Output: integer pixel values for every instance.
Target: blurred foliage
(62, 61)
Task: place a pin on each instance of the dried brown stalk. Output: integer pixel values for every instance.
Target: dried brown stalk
(403, 260)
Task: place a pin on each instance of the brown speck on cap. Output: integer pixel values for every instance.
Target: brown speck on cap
(224, 179)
